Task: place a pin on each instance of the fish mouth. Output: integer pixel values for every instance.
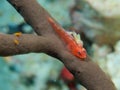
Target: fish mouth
(83, 56)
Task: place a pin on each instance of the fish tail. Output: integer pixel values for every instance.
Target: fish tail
(60, 31)
(54, 26)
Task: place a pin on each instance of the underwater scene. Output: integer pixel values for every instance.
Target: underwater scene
(91, 26)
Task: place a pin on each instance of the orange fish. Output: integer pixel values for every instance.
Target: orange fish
(75, 48)
(18, 34)
(16, 42)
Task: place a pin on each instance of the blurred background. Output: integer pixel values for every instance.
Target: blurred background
(98, 23)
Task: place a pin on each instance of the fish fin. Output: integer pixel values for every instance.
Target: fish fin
(76, 38)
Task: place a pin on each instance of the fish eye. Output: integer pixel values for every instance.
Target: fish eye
(79, 53)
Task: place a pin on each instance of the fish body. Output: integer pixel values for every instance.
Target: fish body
(76, 48)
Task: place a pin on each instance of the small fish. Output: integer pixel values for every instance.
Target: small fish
(16, 42)
(18, 34)
(75, 47)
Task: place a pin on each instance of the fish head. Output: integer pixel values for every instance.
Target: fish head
(80, 52)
